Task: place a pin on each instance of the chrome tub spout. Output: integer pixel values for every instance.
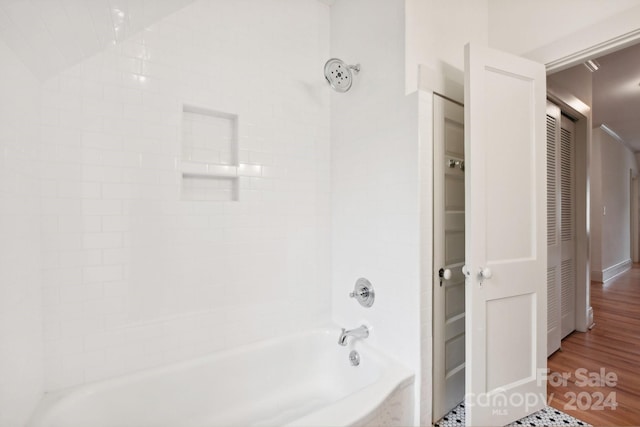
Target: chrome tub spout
(360, 332)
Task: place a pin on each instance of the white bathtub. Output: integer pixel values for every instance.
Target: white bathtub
(301, 380)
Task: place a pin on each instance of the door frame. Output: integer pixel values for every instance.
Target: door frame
(609, 35)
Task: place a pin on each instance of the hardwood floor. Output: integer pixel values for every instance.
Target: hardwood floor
(613, 345)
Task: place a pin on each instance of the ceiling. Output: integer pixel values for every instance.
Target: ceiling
(616, 95)
(51, 35)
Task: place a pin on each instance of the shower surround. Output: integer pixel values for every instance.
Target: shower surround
(134, 275)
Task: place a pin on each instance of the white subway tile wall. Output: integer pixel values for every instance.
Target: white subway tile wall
(212, 188)
(45, 34)
(21, 367)
(134, 276)
(208, 137)
(375, 171)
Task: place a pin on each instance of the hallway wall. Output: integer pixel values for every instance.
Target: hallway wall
(611, 255)
(577, 80)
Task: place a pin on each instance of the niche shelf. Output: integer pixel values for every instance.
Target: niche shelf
(209, 162)
(209, 188)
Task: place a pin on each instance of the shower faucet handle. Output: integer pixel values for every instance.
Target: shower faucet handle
(363, 292)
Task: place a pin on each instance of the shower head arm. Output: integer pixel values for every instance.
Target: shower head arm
(355, 68)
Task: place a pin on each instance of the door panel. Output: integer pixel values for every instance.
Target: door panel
(449, 252)
(508, 176)
(454, 246)
(514, 338)
(454, 298)
(506, 236)
(454, 190)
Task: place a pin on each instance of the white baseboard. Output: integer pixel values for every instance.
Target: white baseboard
(611, 272)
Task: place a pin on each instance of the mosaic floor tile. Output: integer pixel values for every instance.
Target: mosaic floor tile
(548, 417)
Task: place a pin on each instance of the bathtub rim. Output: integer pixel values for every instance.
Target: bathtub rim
(394, 376)
(341, 413)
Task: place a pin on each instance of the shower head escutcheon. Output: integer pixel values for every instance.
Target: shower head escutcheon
(340, 75)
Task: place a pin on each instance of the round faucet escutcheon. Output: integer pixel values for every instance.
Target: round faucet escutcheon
(363, 292)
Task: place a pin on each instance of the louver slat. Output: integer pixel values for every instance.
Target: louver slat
(567, 272)
(567, 184)
(553, 320)
(552, 221)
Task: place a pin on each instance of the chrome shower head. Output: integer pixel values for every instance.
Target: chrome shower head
(339, 75)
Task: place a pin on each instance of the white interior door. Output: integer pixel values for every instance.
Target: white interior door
(448, 258)
(506, 239)
(568, 225)
(554, 253)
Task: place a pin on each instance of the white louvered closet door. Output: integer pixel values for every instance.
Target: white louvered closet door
(567, 226)
(553, 229)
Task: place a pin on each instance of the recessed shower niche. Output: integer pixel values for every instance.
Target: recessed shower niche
(209, 163)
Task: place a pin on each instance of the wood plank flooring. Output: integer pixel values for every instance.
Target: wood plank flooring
(613, 344)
